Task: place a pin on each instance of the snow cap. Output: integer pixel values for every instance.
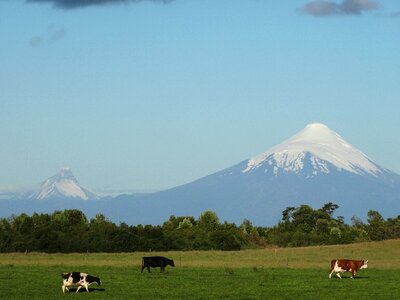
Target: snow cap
(323, 146)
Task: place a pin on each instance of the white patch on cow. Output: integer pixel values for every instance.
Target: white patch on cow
(364, 266)
(336, 269)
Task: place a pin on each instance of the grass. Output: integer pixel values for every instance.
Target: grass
(291, 273)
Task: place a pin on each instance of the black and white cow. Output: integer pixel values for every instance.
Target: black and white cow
(156, 261)
(78, 279)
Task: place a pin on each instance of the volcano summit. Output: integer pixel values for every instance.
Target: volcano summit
(321, 148)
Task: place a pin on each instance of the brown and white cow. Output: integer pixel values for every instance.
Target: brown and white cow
(347, 265)
(78, 279)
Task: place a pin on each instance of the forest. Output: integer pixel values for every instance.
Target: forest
(71, 231)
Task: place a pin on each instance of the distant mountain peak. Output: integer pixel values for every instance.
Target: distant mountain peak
(319, 147)
(65, 171)
(63, 185)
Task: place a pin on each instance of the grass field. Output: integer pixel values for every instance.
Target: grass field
(290, 273)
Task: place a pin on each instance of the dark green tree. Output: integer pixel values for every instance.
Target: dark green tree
(376, 226)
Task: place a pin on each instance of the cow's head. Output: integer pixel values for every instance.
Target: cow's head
(92, 279)
(365, 264)
(171, 262)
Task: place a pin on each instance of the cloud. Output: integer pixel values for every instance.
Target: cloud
(323, 8)
(395, 14)
(35, 41)
(71, 4)
(52, 35)
(55, 35)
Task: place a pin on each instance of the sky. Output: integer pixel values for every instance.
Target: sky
(146, 95)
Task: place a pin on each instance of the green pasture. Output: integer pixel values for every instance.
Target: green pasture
(275, 273)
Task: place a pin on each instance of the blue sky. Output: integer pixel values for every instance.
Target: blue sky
(152, 94)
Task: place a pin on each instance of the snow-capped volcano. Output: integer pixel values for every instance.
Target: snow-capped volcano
(320, 147)
(313, 167)
(63, 185)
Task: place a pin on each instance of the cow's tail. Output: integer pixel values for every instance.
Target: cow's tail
(333, 262)
(142, 267)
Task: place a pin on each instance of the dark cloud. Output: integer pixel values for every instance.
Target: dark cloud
(356, 7)
(52, 35)
(322, 8)
(70, 4)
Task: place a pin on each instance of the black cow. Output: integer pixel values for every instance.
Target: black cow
(155, 262)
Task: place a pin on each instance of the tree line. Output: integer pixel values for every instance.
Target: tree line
(71, 231)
